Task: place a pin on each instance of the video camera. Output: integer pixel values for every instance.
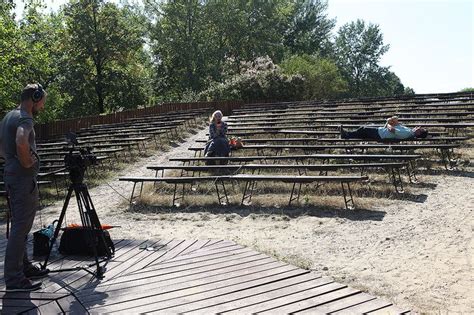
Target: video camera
(78, 159)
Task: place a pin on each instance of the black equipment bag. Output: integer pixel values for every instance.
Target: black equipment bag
(42, 240)
(76, 241)
(41, 244)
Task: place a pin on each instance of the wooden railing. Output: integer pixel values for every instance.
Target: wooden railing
(61, 127)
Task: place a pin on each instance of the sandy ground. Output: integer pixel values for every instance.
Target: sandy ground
(417, 254)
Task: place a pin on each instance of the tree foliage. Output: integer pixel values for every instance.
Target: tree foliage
(105, 45)
(193, 41)
(97, 56)
(359, 48)
(322, 78)
(260, 79)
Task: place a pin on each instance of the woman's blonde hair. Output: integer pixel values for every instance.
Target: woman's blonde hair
(213, 117)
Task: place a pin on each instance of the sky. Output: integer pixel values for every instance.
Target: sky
(431, 41)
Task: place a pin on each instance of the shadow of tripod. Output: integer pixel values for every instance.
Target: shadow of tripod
(76, 162)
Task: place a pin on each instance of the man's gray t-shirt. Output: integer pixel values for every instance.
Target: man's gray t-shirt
(8, 128)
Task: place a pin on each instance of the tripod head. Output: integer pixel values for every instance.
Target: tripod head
(77, 159)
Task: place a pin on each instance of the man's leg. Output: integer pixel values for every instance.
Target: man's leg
(363, 133)
(23, 193)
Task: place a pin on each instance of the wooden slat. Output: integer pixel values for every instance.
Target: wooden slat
(240, 302)
(197, 276)
(75, 279)
(156, 304)
(252, 259)
(344, 303)
(364, 307)
(166, 288)
(61, 262)
(311, 299)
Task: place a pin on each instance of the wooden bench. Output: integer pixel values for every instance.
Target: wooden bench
(445, 150)
(299, 159)
(250, 181)
(283, 131)
(392, 169)
(343, 114)
(307, 140)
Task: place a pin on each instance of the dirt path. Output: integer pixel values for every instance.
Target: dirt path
(416, 254)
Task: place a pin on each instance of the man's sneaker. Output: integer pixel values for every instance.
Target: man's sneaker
(33, 272)
(25, 285)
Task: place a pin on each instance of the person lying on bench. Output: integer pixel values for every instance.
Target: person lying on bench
(393, 129)
(218, 144)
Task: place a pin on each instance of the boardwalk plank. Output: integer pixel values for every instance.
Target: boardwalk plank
(169, 288)
(70, 262)
(364, 307)
(169, 247)
(344, 303)
(195, 264)
(179, 276)
(173, 253)
(156, 304)
(135, 256)
(159, 249)
(75, 280)
(190, 276)
(70, 304)
(15, 302)
(198, 245)
(327, 285)
(311, 299)
(389, 310)
(272, 295)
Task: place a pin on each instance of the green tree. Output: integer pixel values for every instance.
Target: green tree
(193, 41)
(359, 48)
(11, 48)
(322, 78)
(309, 29)
(43, 34)
(178, 43)
(105, 61)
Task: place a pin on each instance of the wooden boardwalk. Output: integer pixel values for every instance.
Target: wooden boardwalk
(190, 277)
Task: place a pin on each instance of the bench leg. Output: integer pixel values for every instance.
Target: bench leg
(175, 195)
(302, 171)
(133, 192)
(225, 196)
(411, 172)
(348, 200)
(141, 189)
(248, 191)
(293, 194)
(394, 174)
(446, 159)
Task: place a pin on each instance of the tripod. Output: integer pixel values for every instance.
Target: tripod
(90, 222)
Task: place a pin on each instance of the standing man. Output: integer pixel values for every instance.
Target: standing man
(18, 147)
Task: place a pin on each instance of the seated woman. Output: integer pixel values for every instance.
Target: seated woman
(392, 130)
(218, 144)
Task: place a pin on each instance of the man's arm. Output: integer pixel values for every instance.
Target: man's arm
(27, 160)
(390, 128)
(2, 152)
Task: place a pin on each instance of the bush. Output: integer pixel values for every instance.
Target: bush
(256, 80)
(322, 79)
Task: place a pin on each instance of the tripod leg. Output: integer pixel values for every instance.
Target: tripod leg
(91, 223)
(58, 226)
